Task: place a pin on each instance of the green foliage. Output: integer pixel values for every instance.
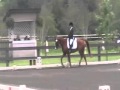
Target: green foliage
(105, 17)
(80, 12)
(23, 3)
(60, 13)
(46, 23)
(9, 23)
(91, 5)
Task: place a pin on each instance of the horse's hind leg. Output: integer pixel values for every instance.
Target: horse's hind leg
(85, 59)
(80, 61)
(82, 55)
(69, 60)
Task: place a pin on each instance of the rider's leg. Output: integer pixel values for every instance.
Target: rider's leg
(69, 45)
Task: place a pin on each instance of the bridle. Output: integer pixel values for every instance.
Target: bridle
(56, 44)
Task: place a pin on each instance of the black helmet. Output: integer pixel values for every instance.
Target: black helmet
(70, 24)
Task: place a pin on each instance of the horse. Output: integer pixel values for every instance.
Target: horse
(81, 44)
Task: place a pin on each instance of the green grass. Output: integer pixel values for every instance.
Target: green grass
(57, 60)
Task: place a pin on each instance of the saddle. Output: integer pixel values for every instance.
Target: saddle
(72, 42)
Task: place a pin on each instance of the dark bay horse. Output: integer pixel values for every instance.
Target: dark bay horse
(81, 44)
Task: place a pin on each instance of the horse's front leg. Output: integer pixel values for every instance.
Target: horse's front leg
(62, 60)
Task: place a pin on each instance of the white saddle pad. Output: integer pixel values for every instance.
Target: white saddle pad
(74, 41)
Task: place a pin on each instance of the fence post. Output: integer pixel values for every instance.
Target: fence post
(38, 52)
(7, 57)
(99, 52)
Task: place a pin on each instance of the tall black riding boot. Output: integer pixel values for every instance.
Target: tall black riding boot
(70, 49)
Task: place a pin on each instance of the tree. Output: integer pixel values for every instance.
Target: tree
(47, 24)
(79, 14)
(77, 11)
(64, 11)
(116, 23)
(23, 3)
(105, 17)
(10, 23)
(58, 8)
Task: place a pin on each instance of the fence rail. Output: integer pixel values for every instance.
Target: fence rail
(7, 58)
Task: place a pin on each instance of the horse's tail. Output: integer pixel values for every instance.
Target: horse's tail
(88, 47)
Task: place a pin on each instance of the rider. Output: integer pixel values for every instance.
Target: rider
(70, 35)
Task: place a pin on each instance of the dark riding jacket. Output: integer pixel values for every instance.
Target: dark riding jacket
(70, 35)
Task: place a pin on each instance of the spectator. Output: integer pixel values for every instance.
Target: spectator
(27, 37)
(17, 38)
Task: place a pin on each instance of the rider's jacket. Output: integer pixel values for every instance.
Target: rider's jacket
(70, 35)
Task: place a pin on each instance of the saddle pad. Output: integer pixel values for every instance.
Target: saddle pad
(74, 41)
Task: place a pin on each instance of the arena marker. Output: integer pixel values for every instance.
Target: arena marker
(10, 88)
(104, 87)
(38, 63)
(22, 87)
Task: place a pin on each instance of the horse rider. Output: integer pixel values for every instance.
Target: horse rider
(70, 35)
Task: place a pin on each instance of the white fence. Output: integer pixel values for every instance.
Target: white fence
(24, 53)
(10, 87)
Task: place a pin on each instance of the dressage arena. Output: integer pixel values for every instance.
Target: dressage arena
(89, 77)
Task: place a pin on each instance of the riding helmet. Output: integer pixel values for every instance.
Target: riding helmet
(70, 24)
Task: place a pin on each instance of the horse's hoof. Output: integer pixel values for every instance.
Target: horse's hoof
(69, 66)
(79, 65)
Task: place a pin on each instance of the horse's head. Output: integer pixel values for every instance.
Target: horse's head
(59, 41)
